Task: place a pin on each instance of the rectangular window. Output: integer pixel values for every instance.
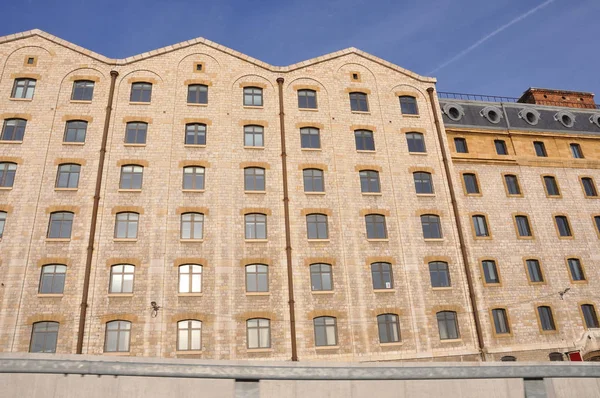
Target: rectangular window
(23, 88)
(325, 331)
(432, 228)
(60, 226)
(2, 222)
(376, 228)
(117, 336)
(254, 136)
(461, 145)
(564, 229)
(13, 130)
(316, 226)
(197, 94)
(576, 151)
(257, 278)
(512, 184)
(140, 92)
(551, 186)
(189, 335)
(439, 274)
(534, 270)
(83, 90)
(307, 99)
(369, 181)
(253, 96)
(596, 221)
(389, 331)
(546, 318)
(126, 225)
(589, 315)
(192, 225)
(576, 270)
(75, 131)
(540, 149)
(500, 147)
(471, 185)
(256, 226)
(320, 277)
(490, 272)
(313, 180)
(310, 138)
(364, 140)
(382, 276)
(408, 105)
(358, 102)
(589, 188)
(136, 133)
(52, 280)
(523, 227)
(44, 337)
(448, 325)
(500, 321)
(480, 225)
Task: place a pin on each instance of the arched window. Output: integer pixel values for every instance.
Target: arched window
(325, 331)
(60, 225)
(192, 225)
(369, 181)
(197, 94)
(136, 133)
(258, 333)
(190, 278)
(68, 176)
(83, 90)
(389, 328)
(423, 182)
(307, 99)
(358, 102)
(556, 356)
(257, 278)
(508, 358)
(316, 226)
(408, 105)
(7, 174)
(118, 335)
(376, 228)
(195, 134)
(126, 225)
(121, 278)
(382, 276)
(189, 335)
(432, 228)
(75, 131)
(23, 88)
(313, 180)
(253, 96)
(254, 179)
(321, 277)
(256, 226)
(310, 138)
(439, 274)
(44, 337)
(193, 178)
(447, 325)
(364, 140)
(140, 92)
(254, 136)
(52, 279)
(415, 142)
(13, 130)
(131, 176)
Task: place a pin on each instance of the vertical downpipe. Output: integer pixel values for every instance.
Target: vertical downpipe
(461, 238)
(286, 209)
(90, 248)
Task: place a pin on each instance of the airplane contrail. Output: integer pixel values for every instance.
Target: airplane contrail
(489, 36)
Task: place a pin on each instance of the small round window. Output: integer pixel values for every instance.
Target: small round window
(492, 114)
(531, 116)
(595, 119)
(567, 119)
(453, 111)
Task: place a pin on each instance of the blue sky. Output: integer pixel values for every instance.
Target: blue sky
(555, 47)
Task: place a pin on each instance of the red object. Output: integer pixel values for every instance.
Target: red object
(575, 356)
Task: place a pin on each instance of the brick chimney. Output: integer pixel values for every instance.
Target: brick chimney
(546, 96)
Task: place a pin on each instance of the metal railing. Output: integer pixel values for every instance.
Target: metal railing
(496, 98)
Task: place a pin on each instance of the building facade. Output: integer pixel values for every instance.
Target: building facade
(195, 202)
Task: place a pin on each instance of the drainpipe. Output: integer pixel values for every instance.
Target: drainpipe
(286, 209)
(90, 248)
(461, 237)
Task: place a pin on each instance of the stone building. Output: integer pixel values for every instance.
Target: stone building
(193, 201)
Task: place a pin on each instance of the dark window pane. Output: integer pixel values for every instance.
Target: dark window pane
(447, 325)
(44, 337)
(439, 274)
(136, 133)
(480, 225)
(512, 184)
(60, 225)
(316, 225)
(490, 273)
(589, 187)
(253, 136)
(381, 274)
(256, 226)
(500, 147)
(83, 90)
(589, 315)
(254, 179)
(358, 102)
(389, 329)
(313, 180)
(7, 174)
(307, 99)
(523, 226)
(461, 145)
(408, 105)
(535, 271)
(562, 223)
(75, 131)
(551, 186)
(364, 140)
(23, 88)
(576, 270)
(415, 142)
(320, 277)
(376, 228)
(423, 183)
(140, 92)
(68, 176)
(540, 149)
(471, 185)
(325, 331)
(432, 228)
(500, 321)
(131, 177)
(13, 130)
(546, 318)
(52, 279)
(195, 134)
(253, 96)
(576, 151)
(310, 138)
(369, 181)
(197, 94)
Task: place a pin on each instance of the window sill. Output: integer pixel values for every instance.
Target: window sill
(442, 288)
(514, 196)
(554, 196)
(434, 239)
(591, 197)
(392, 344)
(256, 240)
(199, 294)
(193, 190)
(254, 147)
(129, 190)
(10, 142)
(117, 354)
(582, 282)
(501, 335)
(372, 193)
(254, 107)
(365, 151)
(191, 240)
(258, 350)
(58, 239)
(491, 284)
(80, 102)
(123, 295)
(418, 153)
(384, 290)
(482, 238)
(194, 146)
(21, 99)
(537, 283)
(525, 238)
(258, 293)
(309, 109)
(139, 103)
(410, 115)
(478, 195)
(74, 143)
(451, 341)
(566, 237)
(314, 193)
(318, 240)
(188, 352)
(311, 149)
(426, 195)
(66, 189)
(256, 192)
(361, 112)
(50, 295)
(6, 188)
(319, 292)
(327, 347)
(125, 240)
(378, 240)
(196, 104)
(134, 145)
